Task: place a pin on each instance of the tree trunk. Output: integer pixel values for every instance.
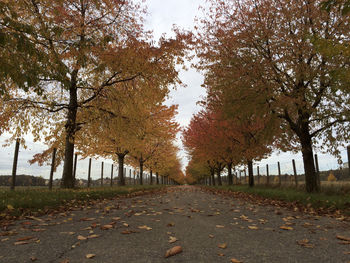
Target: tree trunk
(121, 178)
(151, 177)
(141, 171)
(309, 166)
(212, 171)
(230, 176)
(219, 176)
(250, 173)
(67, 176)
(157, 178)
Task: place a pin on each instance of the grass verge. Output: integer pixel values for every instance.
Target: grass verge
(320, 200)
(39, 199)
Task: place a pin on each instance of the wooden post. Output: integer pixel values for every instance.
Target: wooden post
(317, 172)
(348, 151)
(52, 167)
(102, 174)
(258, 174)
(75, 167)
(267, 175)
(14, 166)
(89, 174)
(112, 175)
(130, 176)
(295, 173)
(279, 174)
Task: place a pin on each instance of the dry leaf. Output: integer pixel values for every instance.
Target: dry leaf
(220, 226)
(170, 224)
(286, 227)
(253, 227)
(223, 245)
(145, 227)
(65, 261)
(106, 227)
(233, 260)
(221, 255)
(90, 255)
(116, 218)
(305, 243)
(173, 251)
(21, 243)
(126, 225)
(81, 237)
(93, 236)
(172, 239)
(343, 238)
(25, 238)
(33, 258)
(211, 236)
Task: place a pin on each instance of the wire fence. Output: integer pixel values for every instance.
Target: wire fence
(102, 172)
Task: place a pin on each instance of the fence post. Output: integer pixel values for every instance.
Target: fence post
(258, 175)
(52, 167)
(267, 175)
(279, 174)
(102, 174)
(112, 175)
(295, 173)
(348, 151)
(14, 166)
(89, 174)
(317, 172)
(75, 167)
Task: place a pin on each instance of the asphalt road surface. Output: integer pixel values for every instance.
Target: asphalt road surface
(208, 227)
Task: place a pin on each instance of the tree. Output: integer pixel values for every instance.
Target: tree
(268, 45)
(91, 46)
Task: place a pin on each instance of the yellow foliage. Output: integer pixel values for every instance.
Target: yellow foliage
(331, 177)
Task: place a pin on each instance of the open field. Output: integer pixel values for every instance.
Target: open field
(39, 198)
(328, 198)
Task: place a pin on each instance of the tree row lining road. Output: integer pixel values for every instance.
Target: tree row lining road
(209, 228)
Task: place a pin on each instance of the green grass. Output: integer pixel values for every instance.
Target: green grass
(327, 199)
(39, 199)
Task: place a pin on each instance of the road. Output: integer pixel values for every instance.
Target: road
(208, 227)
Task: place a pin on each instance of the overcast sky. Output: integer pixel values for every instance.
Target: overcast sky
(163, 14)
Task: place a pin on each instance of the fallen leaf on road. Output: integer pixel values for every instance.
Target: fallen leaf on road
(305, 243)
(220, 226)
(81, 237)
(69, 233)
(223, 245)
(170, 224)
(90, 255)
(116, 218)
(221, 255)
(173, 251)
(172, 239)
(144, 227)
(106, 227)
(233, 260)
(286, 227)
(25, 238)
(21, 243)
(343, 238)
(87, 219)
(211, 236)
(93, 236)
(65, 261)
(126, 225)
(33, 258)
(253, 227)
(127, 232)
